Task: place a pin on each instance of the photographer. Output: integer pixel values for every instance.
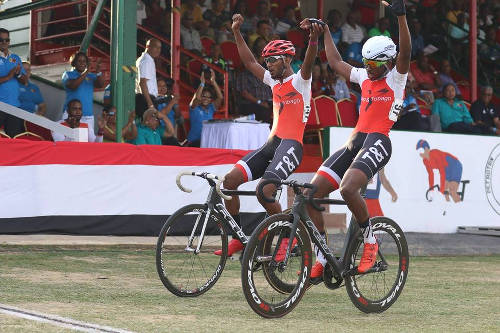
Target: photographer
(167, 104)
(202, 107)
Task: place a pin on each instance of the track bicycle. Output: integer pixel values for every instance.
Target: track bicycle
(373, 291)
(185, 261)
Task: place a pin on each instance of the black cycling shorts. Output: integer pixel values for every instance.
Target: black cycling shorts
(277, 159)
(366, 152)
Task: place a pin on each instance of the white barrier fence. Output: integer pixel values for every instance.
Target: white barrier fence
(75, 134)
(419, 211)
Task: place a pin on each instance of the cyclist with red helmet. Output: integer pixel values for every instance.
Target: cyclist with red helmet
(282, 153)
(368, 150)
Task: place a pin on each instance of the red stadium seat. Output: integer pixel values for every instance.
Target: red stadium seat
(45, 133)
(297, 37)
(207, 43)
(347, 112)
(313, 126)
(327, 111)
(29, 136)
(230, 52)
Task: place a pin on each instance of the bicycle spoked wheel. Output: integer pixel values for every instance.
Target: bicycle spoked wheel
(378, 289)
(184, 271)
(262, 275)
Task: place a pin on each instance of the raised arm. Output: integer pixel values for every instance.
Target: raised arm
(404, 56)
(218, 94)
(197, 95)
(315, 31)
(245, 54)
(332, 54)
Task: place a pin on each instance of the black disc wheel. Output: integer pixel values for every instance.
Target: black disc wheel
(377, 289)
(272, 289)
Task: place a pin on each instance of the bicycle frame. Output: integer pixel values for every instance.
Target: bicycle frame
(217, 208)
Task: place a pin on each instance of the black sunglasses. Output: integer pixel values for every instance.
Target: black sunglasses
(4, 40)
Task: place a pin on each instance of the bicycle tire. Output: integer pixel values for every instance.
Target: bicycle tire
(175, 264)
(261, 295)
(361, 288)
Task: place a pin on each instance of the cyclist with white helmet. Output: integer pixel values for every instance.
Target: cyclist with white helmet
(382, 83)
(282, 153)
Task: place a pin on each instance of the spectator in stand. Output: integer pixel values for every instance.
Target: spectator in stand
(382, 28)
(217, 16)
(194, 8)
(29, 94)
(155, 15)
(455, 11)
(146, 88)
(417, 39)
(190, 37)
(242, 9)
(147, 133)
(489, 51)
(224, 33)
(12, 74)
(263, 12)
(317, 84)
(79, 84)
(202, 107)
(169, 106)
(454, 116)
(264, 30)
(166, 130)
(425, 75)
(485, 18)
(368, 9)
(334, 20)
(129, 131)
(286, 23)
(445, 77)
(204, 5)
(215, 57)
(335, 85)
(410, 118)
(74, 120)
(484, 112)
(352, 32)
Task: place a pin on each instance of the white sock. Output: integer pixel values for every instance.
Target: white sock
(368, 236)
(319, 256)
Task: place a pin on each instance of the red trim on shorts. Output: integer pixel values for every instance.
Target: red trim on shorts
(242, 169)
(329, 178)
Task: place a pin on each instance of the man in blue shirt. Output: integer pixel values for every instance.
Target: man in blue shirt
(29, 94)
(79, 84)
(201, 108)
(11, 72)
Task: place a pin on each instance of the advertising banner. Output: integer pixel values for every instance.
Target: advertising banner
(441, 181)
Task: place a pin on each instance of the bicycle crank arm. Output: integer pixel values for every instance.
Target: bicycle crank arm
(378, 267)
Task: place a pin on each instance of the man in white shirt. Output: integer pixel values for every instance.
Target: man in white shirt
(352, 32)
(146, 88)
(190, 37)
(74, 121)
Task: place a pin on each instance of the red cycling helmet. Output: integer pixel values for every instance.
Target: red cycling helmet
(278, 47)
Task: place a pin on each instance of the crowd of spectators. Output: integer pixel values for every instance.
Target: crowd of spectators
(439, 39)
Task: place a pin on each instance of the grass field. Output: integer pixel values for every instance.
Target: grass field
(118, 286)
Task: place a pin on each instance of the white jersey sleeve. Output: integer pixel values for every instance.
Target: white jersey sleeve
(303, 87)
(397, 82)
(358, 75)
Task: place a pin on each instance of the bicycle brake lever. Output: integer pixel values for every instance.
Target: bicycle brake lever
(260, 189)
(217, 188)
(310, 198)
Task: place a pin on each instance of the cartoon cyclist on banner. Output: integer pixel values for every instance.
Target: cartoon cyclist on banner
(372, 193)
(450, 172)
